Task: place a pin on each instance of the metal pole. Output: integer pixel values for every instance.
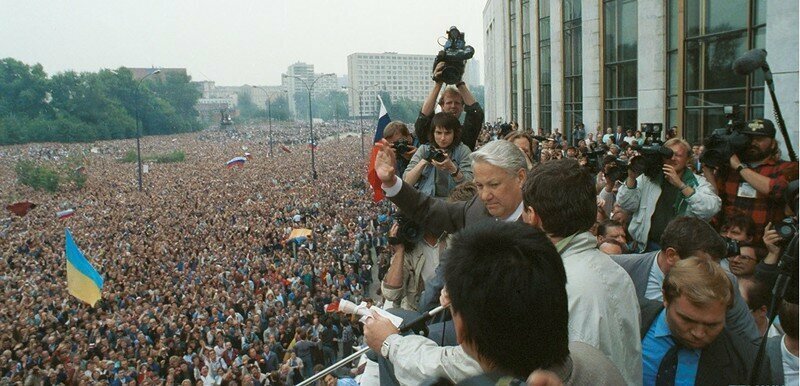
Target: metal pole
(138, 134)
(334, 366)
(311, 127)
(269, 115)
(361, 121)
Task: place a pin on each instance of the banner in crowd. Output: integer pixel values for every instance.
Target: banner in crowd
(83, 281)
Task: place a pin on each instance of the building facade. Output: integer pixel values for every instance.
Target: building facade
(295, 86)
(552, 64)
(401, 75)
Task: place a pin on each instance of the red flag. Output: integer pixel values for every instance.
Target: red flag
(285, 149)
(333, 307)
(21, 208)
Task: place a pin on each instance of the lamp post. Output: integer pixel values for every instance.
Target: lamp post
(269, 114)
(361, 113)
(310, 88)
(138, 132)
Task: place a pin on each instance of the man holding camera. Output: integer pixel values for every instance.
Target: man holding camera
(653, 202)
(757, 179)
(454, 100)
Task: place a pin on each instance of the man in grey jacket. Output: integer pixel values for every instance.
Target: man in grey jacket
(685, 237)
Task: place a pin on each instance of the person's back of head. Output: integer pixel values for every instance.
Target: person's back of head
(464, 191)
(502, 320)
(788, 315)
(396, 130)
(562, 196)
(688, 235)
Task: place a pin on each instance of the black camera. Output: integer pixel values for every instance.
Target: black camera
(408, 233)
(650, 160)
(617, 170)
(787, 228)
(437, 155)
(725, 142)
(731, 247)
(455, 55)
(401, 147)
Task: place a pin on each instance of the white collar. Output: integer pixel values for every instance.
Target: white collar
(518, 212)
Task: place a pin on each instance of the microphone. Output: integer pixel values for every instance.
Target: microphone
(750, 61)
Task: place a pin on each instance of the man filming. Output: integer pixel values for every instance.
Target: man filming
(676, 192)
(757, 178)
(454, 100)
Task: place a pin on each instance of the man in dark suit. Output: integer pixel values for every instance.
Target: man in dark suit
(685, 237)
(619, 136)
(684, 339)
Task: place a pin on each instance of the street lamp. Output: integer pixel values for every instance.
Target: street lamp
(269, 114)
(138, 132)
(361, 113)
(310, 88)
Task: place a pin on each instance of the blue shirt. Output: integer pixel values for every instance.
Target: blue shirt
(656, 344)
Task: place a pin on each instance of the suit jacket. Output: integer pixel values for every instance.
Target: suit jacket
(738, 319)
(775, 355)
(728, 360)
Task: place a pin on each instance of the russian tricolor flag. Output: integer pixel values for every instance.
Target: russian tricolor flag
(372, 176)
(237, 161)
(65, 214)
(83, 281)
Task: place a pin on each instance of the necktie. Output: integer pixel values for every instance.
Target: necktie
(668, 367)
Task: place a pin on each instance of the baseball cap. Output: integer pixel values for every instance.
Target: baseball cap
(759, 128)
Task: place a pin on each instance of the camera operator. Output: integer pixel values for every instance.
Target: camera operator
(436, 168)
(757, 179)
(397, 134)
(412, 266)
(454, 100)
(653, 202)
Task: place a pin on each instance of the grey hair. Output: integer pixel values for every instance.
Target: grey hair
(501, 153)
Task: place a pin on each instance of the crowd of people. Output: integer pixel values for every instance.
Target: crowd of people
(202, 284)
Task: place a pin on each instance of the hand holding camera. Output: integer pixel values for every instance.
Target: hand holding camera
(446, 165)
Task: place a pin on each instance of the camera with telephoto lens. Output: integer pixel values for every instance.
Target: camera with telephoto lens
(401, 147)
(731, 247)
(455, 54)
(787, 228)
(617, 170)
(408, 232)
(650, 160)
(725, 142)
(437, 155)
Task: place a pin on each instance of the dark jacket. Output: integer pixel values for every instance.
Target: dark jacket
(728, 360)
(473, 122)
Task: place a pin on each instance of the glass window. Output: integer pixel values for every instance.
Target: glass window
(573, 96)
(620, 66)
(545, 107)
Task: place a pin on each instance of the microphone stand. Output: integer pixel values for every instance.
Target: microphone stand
(406, 327)
(777, 113)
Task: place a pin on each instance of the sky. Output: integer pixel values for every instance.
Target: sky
(229, 42)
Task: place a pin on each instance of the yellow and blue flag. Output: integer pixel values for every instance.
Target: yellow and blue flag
(83, 281)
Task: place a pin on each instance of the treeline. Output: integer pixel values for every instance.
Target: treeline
(88, 106)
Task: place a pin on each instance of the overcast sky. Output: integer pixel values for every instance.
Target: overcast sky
(230, 42)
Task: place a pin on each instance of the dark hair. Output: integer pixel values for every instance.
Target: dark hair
(464, 191)
(602, 228)
(448, 122)
(490, 271)
(563, 195)
(690, 234)
(757, 292)
(744, 222)
(788, 315)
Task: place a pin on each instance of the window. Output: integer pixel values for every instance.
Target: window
(512, 32)
(545, 102)
(527, 96)
(716, 32)
(573, 84)
(619, 62)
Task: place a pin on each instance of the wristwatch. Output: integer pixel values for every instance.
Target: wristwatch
(385, 348)
(740, 168)
(455, 173)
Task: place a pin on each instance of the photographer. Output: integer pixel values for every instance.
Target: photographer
(436, 168)
(653, 202)
(454, 100)
(397, 134)
(757, 179)
(413, 265)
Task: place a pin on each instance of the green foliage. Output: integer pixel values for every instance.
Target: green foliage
(402, 109)
(163, 158)
(85, 107)
(174, 156)
(37, 177)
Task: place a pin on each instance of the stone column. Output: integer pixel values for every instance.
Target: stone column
(651, 62)
(557, 66)
(782, 47)
(591, 65)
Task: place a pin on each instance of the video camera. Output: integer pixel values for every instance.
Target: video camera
(455, 55)
(408, 233)
(650, 160)
(727, 141)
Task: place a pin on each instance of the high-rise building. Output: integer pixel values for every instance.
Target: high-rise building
(551, 64)
(401, 75)
(295, 86)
